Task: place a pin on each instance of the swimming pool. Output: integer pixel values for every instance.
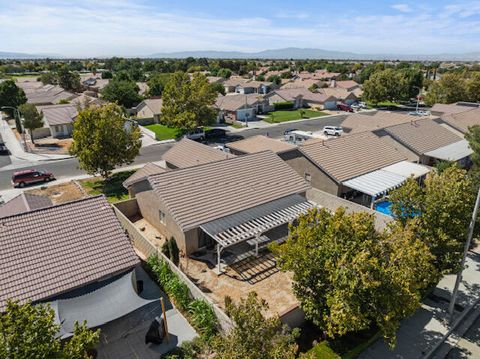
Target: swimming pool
(384, 207)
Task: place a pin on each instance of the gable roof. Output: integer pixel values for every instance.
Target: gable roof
(291, 94)
(149, 169)
(59, 114)
(48, 94)
(463, 120)
(200, 194)
(447, 109)
(154, 104)
(351, 156)
(347, 84)
(24, 202)
(261, 143)
(187, 153)
(423, 135)
(50, 251)
(237, 101)
(359, 122)
(338, 92)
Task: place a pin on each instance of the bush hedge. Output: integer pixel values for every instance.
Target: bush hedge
(288, 105)
(198, 312)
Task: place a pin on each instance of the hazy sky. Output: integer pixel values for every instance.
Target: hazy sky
(141, 27)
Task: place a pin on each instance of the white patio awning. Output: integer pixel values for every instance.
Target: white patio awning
(453, 152)
(407, 169)
(247, 224)
(376, 183)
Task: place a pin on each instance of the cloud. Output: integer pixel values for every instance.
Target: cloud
(402, 7)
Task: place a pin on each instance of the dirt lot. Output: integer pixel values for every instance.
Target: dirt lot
(60, 193)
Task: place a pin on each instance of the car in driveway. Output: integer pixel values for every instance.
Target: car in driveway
(197, 134)
(27, 177)
(344, 107)
(215, 133)
(332, 131)
(289, 130)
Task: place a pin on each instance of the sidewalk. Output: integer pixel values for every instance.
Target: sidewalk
(430, 326)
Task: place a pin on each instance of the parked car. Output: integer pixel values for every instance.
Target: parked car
(196, 134)
(288, 130)
(344, 107)
(222, 147)
(419, 113)
(215, 133)
(23, 178)
(4, 150)
(332, 131)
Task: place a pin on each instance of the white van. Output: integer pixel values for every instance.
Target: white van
(332, 131)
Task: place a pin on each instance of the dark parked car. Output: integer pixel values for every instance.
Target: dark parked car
(344, 107)
(22, 178)
(288, 130)
(4, 150)
(215, 133)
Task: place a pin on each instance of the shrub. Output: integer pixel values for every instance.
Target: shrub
(170, 249)
(288, 105)
(203, 318)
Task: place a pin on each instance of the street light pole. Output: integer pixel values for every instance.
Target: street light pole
(418, 97)
(451, 307)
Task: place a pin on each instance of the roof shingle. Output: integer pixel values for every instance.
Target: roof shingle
(261, 143)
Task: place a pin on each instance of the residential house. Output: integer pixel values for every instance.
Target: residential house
(430, 141)
(304, 83)
(62, 251)
(190, 203)
(262, 143)
(57, 121)
(188, 153)
(24, 202)
(348, 85)
(340, 94)
(151, 168)
(244, 86)
(49, 95)
(302, 97)
(461, 121)
(149, 111)
(327, 164)
(240, 107)
(440, 109)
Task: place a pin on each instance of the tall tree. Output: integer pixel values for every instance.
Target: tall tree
(29, 331)
(450, 88)
(123, 92)
(253, 335)
(11, 95)
(348, 277)
(443, 208)
(103, 140)
(156, 84)
(188, 103)
(68, 80)
(49, 78)
(31, 118)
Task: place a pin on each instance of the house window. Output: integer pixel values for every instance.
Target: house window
(308, 177)
(58, 128)
(162, 217)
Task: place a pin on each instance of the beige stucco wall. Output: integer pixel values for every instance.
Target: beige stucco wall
(319, 179)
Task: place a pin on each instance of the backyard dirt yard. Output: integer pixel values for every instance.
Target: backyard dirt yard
(60, 193)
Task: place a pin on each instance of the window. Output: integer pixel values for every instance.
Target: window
(162, 217)
(308, 177)
(58, 128)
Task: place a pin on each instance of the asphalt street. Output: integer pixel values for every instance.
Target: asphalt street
(69, 167)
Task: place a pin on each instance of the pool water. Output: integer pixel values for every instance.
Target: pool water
(384, 207)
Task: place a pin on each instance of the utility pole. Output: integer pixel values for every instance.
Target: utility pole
(451, 307)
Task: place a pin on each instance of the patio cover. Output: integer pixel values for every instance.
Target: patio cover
(376, 182)
(101, 306)
(453, 152)
(407, 169)
(249, 223)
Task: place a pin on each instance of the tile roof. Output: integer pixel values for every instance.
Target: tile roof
(237, 101)
(422, 136)
(463, 120)
(24, 202)
(302, 83)
(447, 109)
(360, 122)
(154, 104)
(337, 92)
(261, 143)
(292, 93)
(347, 84)
(53, 250)
(48, 94)
(200, 194)
(351, 156)
(142, 173)
(187, 153)
(59, 114)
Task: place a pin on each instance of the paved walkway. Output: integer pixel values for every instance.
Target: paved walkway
(427, 327)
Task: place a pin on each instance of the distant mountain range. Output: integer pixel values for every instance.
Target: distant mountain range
(285, 53)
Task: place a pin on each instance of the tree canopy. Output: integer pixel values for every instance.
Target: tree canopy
(348, 277)
(188, 103)
(156, 84)
(455, 86)
(103, 140)
(29, 331)
(123, 92)
(11, 94)
(68, 80)
(31, 118)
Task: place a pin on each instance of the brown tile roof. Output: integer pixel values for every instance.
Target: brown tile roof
(187, 153)
(154, 104)
(302, 83)
(351, 156)
(447, 109)
(53, 250)
(237, 101)
(292, 93)
(423, 136)
(200, 194)
(261, 143)
(463, 120)
(337, 92)
(359, 122)
(24, 202)
(59, 114)
(347, 84)
(142, 173)
(48, 94)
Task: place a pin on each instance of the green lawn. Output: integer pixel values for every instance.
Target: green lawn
(383, 103)
(163, 132)
(284, 116)
(112, 189)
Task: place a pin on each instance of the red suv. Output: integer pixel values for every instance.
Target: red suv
(22, 178)
(344, 107)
